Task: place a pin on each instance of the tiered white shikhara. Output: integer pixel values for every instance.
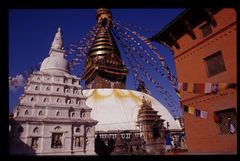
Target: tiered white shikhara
(53, 106)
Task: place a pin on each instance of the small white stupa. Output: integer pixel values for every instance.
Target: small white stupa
(52, 117)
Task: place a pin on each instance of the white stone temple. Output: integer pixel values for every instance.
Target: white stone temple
(52, 117)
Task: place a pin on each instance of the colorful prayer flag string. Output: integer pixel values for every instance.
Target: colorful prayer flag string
(195, 112)
(165, 68)
(126, 37)
(137, 27)
(130, 49)
(204, 88)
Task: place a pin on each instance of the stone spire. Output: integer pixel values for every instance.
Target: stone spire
(56, 63)
(151, 127)
(104, 67)
(58, 40)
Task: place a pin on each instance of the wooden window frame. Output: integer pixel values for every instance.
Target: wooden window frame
(219, 62)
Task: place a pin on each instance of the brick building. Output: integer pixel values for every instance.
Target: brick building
(203, 42)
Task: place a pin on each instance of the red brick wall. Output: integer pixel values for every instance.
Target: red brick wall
(203, 135)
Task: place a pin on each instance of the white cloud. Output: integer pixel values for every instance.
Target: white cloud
(15, 83)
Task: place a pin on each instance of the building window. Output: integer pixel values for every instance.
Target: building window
(215, 64)
(65, 80)
(57, 89)
(36, 88)
(226, 120)
(73, 114)
(32, 99)
(58, 100)
(34, 143)
(40, 113)
(66, 90)
(45, 100)
(56, 140)
(75, 91)
(47, 88)
(36, 130)
(58, 113)
(82, 114)
(26, 112)
(206, 29)
(78, 129)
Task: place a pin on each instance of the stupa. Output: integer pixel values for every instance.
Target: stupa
(113, 106)
(52, 117)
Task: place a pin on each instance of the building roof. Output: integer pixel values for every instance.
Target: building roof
(180, 25)
(117, 109)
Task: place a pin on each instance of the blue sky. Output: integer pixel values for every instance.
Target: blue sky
(31, 32)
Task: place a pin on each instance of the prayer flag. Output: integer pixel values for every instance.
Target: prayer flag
(196, 88)
(179, 85)
(191, 110)
(178, 94)
(197, 112)
(185, 108)
(215, 88)
(203, 114)
(184, 86)
(190, 87)
(201, 87)
(222, 86)
(208, 88)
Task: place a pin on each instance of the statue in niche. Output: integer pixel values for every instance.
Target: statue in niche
(34, 143)
(87, 142)
(88, 130)
(77, 142)
(57, 141)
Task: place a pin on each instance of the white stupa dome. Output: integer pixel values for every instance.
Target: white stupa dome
(117, 109)
(55, 64)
